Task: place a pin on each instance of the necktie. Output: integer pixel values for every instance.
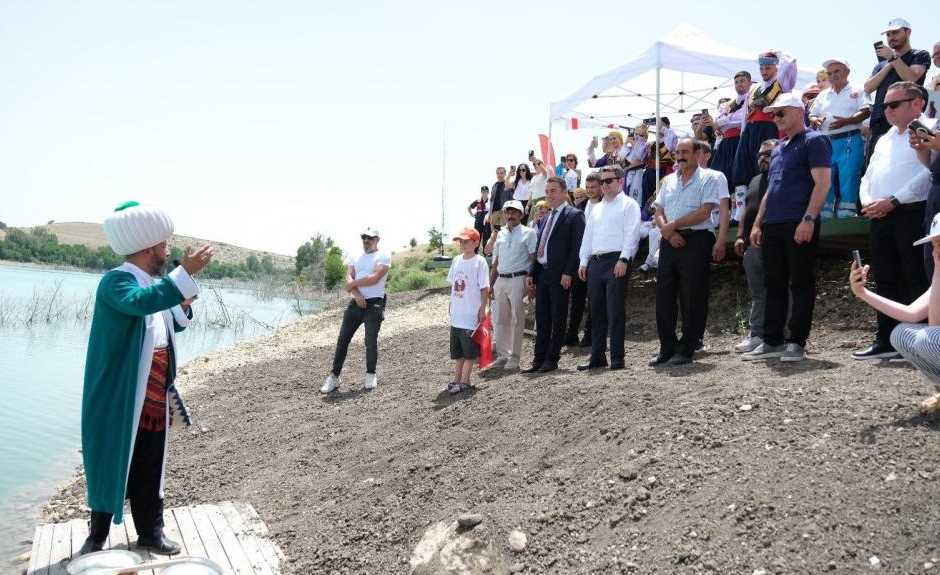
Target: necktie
(546, 232)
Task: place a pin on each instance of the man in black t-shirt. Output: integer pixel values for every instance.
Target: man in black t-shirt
(897, 62)
(478, 210)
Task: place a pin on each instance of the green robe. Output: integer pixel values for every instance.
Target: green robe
(120, 353)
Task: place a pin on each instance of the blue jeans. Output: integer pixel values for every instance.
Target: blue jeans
(848, 156)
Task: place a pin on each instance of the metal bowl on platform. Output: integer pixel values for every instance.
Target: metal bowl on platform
(194, 566)
(103, 561)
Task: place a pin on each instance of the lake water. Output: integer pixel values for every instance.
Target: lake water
(41, 370)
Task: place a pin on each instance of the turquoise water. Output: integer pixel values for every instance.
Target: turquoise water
(41, 368)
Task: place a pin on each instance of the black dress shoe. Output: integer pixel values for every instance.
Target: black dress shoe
(679, 359)
(91, 546)
(159, 544)
(659, 359)
(616, 365)
(571, 341)
(590, 366)
(534, 368)
(876, 350)
(548, 366)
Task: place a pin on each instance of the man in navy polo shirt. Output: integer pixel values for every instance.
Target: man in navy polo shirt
(787, 229)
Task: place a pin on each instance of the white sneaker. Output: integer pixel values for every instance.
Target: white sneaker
(371, 382)
(331, 384)
(793, 352)
(749, 343)
(511, 365)
(498, 363)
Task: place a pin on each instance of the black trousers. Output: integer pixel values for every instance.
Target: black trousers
(896, 263)
(608, 316)
(143, 489)
(353, 317)
(789, 271)
(551, 317)
(578, 307)
(683, 272)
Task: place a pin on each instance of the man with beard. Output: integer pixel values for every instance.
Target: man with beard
(750, 254)
(897, 62)
(129, 399)
(778, 75)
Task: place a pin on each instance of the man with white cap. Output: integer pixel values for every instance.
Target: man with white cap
(129, 399)
(896, 62)
(365, 282)
(838, 111)
(787, 230)
(893, 194)
(513, 254)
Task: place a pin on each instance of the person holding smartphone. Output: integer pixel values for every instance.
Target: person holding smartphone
(896, 62)
(915, 341)
(928, 141)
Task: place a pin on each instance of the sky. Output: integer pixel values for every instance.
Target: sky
(262, 124)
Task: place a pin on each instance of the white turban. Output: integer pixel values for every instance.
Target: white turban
(134, 227)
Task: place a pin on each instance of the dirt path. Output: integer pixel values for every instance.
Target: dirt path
(721, 466)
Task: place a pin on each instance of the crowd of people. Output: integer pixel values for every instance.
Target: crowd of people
(773, 162)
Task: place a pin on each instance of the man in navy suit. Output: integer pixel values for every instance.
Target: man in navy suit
(553, 271)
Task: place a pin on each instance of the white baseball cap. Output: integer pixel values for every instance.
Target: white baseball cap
(897, 24)
(786, 100)
(934, 231)
(515, 205)
(371, 232)
(832, 61)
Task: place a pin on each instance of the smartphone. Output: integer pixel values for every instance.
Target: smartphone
(531, 154)
(921, 130)
(857, 257)
(704, 111)
(878, 45)
(649, 121)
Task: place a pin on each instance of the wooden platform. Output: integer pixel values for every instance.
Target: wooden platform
(230, 534)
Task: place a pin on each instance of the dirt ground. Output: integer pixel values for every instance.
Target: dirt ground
(721, 466)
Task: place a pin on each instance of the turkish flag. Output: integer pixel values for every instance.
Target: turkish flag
(574, 124)
(548, 151)
(483, 336)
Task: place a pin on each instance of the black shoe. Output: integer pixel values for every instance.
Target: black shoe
(590, 366)
(679, 359)
(159, 544)
(659, 359)
(876, 350)
(616, 365)
(534, 368)
(571, 341)
(548, 366)
(91, 546)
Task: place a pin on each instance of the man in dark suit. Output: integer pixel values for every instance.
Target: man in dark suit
(553, 271)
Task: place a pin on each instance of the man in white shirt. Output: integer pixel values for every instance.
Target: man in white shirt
(513, 253)
(365, 282)
(684, 208)
(838, 112)
(611, 237)
(893, 193)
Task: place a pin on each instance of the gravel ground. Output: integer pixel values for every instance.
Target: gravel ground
(721, 466)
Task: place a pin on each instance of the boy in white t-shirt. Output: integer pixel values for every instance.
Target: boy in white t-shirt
(469, 280)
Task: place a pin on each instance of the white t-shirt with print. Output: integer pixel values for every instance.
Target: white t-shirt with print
(466, 278)
(365, 265)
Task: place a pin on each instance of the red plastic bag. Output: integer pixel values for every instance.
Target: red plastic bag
(483, 336)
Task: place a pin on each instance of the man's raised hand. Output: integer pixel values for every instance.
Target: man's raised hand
(194, 261)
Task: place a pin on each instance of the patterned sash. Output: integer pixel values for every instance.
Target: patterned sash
(153, 415)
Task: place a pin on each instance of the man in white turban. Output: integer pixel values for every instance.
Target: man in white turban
(129, 399)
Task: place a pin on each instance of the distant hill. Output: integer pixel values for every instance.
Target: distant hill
(92, 235)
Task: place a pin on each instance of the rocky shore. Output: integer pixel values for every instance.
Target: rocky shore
(717, 467)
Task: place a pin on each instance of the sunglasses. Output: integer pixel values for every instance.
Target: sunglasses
(609, 180)
(364, 237)
(779, 114)
(896, 103)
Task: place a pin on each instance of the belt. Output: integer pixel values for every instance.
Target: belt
(689, 232)
(911, 207)
(605, 256)
(513, 274)
(841, 135)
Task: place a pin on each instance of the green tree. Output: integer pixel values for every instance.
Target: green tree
(253, 264)
(312, 254)
(435, 239)
(413, 243)
(334, 268)
(267, 264)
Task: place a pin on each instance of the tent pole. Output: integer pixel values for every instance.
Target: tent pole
(658, 128)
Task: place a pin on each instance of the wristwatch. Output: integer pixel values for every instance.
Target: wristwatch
(893, 58)
(624, 260)
(894, 201)
(808, 218)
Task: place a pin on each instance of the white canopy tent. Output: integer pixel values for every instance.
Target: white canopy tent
(683, 73)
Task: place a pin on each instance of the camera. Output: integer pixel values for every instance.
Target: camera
(921, 130)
